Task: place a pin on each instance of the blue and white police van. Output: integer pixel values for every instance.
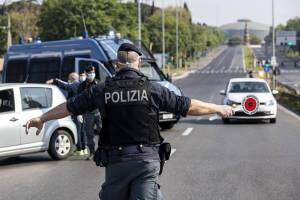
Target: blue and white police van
(39, 62)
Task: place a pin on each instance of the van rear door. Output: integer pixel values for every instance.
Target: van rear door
(43, 67)
(101, 72)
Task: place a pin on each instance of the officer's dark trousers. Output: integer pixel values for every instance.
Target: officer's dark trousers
(133, 178)
(91, 121)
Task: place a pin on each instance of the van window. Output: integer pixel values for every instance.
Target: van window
(33, 98)
(43, 69)
(16, 71)
(7, 103)
(101, 74)
(68, 65)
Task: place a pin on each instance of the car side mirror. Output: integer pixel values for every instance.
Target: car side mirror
(169, 78)
(274, 92)
(222, 92)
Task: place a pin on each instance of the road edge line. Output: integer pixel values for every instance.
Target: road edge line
(289, 112)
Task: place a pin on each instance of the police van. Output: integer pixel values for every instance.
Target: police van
(39, 62)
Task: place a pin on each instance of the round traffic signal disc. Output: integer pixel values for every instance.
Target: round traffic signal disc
(250, 104)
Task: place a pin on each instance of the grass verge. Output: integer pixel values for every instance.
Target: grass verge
(288, 99)
(249, 58)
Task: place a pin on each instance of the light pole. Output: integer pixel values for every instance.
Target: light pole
(139, 23)
(177, 36)
(273, 59)
(163, 37)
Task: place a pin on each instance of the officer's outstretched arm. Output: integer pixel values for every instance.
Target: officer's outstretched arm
(58, 112)
(202, 108)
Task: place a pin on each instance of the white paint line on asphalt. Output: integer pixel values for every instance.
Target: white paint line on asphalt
(288, 112)
(172, 151)
(187, 131)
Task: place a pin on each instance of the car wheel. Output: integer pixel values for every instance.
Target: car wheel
(273, 120)
(61, 145)
(166, 125)
(225, 121)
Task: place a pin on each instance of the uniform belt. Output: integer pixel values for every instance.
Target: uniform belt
(132, 149)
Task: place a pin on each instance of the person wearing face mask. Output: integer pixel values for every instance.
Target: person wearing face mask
(91, 120)
(71, 88)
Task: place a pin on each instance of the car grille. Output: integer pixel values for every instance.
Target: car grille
(258, 114)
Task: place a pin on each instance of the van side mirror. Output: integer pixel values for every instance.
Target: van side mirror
(222, 92)
(169, 78)
(274, 92)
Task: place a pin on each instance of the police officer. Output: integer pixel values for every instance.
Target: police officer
(91, 119)
(130, 137)
(71, 87)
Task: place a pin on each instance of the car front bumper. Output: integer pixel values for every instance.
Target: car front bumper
(263, 112)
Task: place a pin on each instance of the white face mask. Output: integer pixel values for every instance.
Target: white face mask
(90, 76)
(82, 78)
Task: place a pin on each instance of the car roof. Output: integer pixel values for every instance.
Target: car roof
(247, 80)
(25, 85)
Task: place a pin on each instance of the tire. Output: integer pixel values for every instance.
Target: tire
(60, 152)
(273, 120)
(167, 125)
(226, 121)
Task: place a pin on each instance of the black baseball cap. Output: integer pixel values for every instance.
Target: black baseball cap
(129, 47)
(89, 69)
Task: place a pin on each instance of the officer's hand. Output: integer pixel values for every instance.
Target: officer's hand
(80, 118)
(50, 81)
(225, 111)
(36, 123)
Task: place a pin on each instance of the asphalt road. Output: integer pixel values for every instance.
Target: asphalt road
(210, 161)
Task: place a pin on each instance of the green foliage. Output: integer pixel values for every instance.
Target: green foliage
(63, 19)
(255, 40)
(193, 38)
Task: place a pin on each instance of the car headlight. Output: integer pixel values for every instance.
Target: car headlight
(270, 103)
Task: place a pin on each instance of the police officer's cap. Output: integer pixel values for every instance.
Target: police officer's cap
(129, 47)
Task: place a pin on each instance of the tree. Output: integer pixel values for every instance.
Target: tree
(100, 16)
(255, 40)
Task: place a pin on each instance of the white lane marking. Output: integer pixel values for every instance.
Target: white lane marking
(288, 112)
(172, 151)
(187, 131)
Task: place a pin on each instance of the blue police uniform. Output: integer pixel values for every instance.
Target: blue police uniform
(131, 172)
(72, 90)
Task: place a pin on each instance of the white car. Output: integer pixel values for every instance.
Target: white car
(21, 102)
(251, 98)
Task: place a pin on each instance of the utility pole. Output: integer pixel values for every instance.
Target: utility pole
(177, 36)
(273, 59)
(163, 37)
(9, 39)
(139, 23)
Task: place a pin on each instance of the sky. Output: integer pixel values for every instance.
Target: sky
(219, 12)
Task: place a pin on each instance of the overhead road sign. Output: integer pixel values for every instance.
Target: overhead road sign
(284, 38)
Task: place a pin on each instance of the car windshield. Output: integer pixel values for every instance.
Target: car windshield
(149, 70)
(248, 87)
